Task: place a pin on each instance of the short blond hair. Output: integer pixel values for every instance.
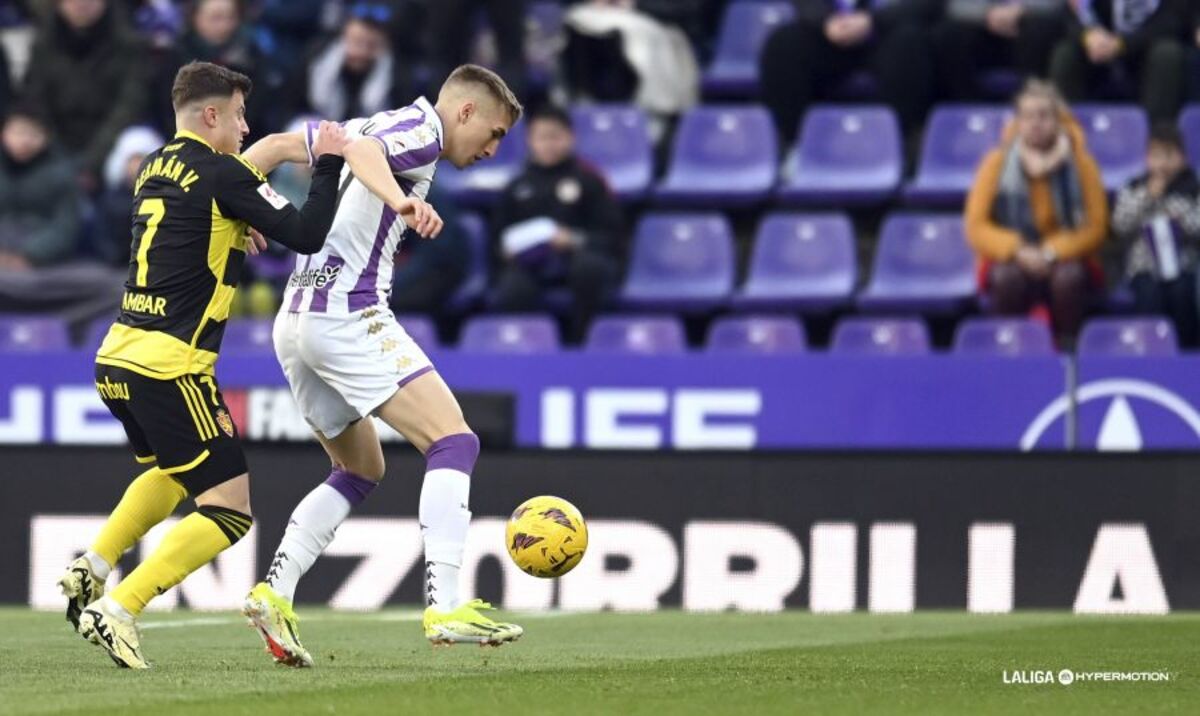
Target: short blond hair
(494, 84)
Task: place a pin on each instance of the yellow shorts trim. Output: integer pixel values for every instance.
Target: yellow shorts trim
(184, 468)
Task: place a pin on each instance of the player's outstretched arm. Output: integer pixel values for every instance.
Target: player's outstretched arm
(275, 149)
(369, 164)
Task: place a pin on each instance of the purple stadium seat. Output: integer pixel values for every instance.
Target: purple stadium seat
(723, 156)
(474, 286)
(616, 140)
(1189, 124)
(802, 262)
(420, 328)
(881, 336)
(248, 335)
(1146, 336)
(32, 334)
(756, 334)
(845, 155)
(680, 262)
(922, 264)
(956, 138)
(745, 27)
(510, 334)
(1116, 136)
(481, 183)
(1003, 337)
(650, 335)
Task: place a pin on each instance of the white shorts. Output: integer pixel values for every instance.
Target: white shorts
(341, 368)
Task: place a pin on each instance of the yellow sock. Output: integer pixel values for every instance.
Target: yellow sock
(191, 544)
(149, 499)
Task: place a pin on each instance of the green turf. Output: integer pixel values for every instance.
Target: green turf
(664, 663)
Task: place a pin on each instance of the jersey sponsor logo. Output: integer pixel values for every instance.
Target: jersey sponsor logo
(141, 303)
(314, 278)
(112, 391)
(273, 197)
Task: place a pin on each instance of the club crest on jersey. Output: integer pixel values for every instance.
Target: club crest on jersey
(314, 278)
(273, 197)
(225, 421)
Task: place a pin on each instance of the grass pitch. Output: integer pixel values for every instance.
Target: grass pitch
(663, 663)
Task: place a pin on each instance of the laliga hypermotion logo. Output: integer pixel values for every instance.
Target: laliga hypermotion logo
(1116, 414)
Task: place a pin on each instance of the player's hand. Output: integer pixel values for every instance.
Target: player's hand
(331, 139)
(256, 243)
(420, 217)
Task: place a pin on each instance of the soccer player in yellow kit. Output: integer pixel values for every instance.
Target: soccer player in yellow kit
(195, 201)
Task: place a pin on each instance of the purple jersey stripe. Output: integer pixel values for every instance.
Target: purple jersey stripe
(411, 157)
(364, 295)
(298, 296)
(320, 299)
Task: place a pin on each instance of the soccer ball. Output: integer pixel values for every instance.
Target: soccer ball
(546, 536)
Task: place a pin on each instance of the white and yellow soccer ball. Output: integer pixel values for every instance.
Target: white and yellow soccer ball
(546, 536)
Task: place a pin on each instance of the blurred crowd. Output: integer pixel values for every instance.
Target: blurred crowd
(84, 87)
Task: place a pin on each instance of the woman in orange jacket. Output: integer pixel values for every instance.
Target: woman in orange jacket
(1037, 214)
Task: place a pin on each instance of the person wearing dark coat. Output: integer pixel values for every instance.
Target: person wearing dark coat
(559, 226)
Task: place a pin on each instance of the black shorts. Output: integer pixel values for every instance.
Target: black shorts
(182, 425)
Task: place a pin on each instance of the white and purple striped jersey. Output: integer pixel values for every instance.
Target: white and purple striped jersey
(354, 269)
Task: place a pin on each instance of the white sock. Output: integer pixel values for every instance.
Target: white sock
(444, 519)
(309, 532)
(100, 568)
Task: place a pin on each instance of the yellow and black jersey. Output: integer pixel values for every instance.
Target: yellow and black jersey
(191, 209)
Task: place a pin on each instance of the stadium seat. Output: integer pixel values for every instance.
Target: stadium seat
(32, 334)
(1116, 136)
(680, 262)
(1144, 336)
(756, 334)
(923, 265)
(881, 336)
(616, 140)
(480, 185)
(510, 334)
(420, 328)
(956, 139)
(846, 155)
(803, 262)
(650, 335)
(1003, 337)
(1189, 125)
(722, 156)
(248, 335)
(745, 27)
(473, 287)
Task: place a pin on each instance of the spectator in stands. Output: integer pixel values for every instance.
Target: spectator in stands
(352, 76)
(114, 209)
(1194, 54)
(831, 40)
(216, 33)
(1158, 218)
(615, 52)
(451, 30)
(995, 34)
(5, 78)
(39, 211)
(1037, 213)
(1138, 40)
(287, 27)
(86, 70)
(559, 226)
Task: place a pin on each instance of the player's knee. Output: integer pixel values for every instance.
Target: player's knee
(457, 451)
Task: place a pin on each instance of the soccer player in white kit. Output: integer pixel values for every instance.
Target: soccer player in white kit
(346, 359)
